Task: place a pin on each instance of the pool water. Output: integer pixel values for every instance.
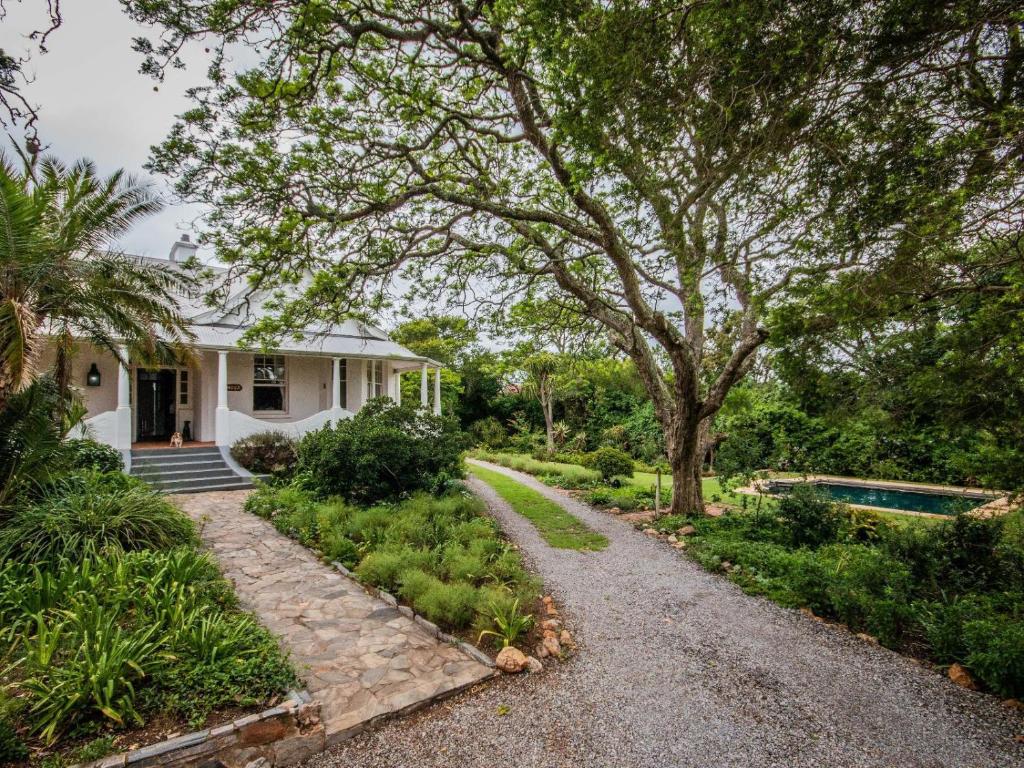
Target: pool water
(908, 501)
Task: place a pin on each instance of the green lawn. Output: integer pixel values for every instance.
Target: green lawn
(556, 526)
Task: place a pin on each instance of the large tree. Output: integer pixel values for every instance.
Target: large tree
(664, 165)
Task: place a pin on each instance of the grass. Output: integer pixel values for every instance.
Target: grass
(556, 526)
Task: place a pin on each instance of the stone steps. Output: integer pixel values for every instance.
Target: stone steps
(187, 470)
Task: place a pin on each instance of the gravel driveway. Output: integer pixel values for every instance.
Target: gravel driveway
(677, 667)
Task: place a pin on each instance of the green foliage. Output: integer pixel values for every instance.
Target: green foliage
(90, 455)
(488, 433)
(267, 453)
(952, 591)
(89, 512)
(107, 639)
(610, 462)
(509, 623)
(12, 748)
(812, 520)
(440, 555)
(383, 453)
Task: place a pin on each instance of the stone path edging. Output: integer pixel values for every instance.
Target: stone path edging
(282, 735)
(361, 656)
(428, 625)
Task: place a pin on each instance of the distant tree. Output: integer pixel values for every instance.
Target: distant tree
(443, 338)
(669, 168)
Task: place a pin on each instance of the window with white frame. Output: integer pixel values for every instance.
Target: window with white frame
(183, 387)
(375, 378)
(269, 383)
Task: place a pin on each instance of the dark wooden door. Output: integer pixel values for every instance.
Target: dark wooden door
(155, 404)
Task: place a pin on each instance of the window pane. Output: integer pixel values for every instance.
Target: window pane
(267, 398)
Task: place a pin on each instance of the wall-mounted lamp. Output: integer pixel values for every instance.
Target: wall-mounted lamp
(92, 378)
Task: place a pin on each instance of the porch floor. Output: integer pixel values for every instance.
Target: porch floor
(152, 445)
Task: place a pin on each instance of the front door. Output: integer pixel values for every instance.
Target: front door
(155, 404)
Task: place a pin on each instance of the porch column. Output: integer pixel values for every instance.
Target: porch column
(221, 422)
(423, 386)
(437, 391)
(396, 385)
(124, 406)
(336, 386)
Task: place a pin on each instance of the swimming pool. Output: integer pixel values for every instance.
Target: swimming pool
(887, 497)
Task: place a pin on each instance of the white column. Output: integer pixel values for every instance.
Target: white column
(423, 386)
(221, 421)
(336, 385)
(437, 391)
(396, 383)
(124, 406)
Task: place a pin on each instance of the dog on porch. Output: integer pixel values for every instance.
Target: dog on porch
(176, 440)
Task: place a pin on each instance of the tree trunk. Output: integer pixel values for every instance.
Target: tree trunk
(683, 446)
(549, 423)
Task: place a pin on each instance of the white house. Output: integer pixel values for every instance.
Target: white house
(231, 392)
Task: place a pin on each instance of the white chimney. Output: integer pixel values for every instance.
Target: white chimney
(183, 249)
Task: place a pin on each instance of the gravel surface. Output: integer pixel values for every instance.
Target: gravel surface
(677, 667)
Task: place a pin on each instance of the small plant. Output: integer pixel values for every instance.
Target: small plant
(611, 463)
(509, 623)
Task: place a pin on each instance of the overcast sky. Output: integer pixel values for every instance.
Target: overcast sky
(94, 103)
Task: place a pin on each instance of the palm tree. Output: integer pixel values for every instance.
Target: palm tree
(61, 280)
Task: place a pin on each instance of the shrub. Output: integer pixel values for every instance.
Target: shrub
(452, 604)
(384, 568)
(811, 518)
(611, 462)
(267, 453)
(488, 432)
(88, 454)
(507, 622)
(89, 512)
(383, 453)
(995, 653)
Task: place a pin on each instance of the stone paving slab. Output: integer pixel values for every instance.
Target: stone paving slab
(358, 656)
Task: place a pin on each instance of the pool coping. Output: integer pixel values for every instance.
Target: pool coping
(998, 503)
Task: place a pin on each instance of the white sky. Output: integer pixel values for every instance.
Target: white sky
(94, 103)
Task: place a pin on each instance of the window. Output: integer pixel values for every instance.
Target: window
(182, 387)
(268, 383)
(375, 378)
(343, 382)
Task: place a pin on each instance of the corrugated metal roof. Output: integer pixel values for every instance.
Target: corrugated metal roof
(324, 344)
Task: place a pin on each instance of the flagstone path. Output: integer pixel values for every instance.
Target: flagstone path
(358, 656)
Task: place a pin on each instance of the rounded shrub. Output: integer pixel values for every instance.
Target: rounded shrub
(610, 462)
(89, 454)
(384, 452)
(267, 453)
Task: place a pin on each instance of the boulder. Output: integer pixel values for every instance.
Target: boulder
(672, 538)
(547, 599)
(550, 624)
(867, 638)
(564, 638)
(650, 531)
(959, 675)
(686, 530)
(533, 665)
(551, 610)
(1014, 704)
(552, 646)
(679, 545)
(541, 651)
(550, 633)
(510, 660)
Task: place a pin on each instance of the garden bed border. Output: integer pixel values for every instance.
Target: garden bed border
(435, 631)
(282, 735)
